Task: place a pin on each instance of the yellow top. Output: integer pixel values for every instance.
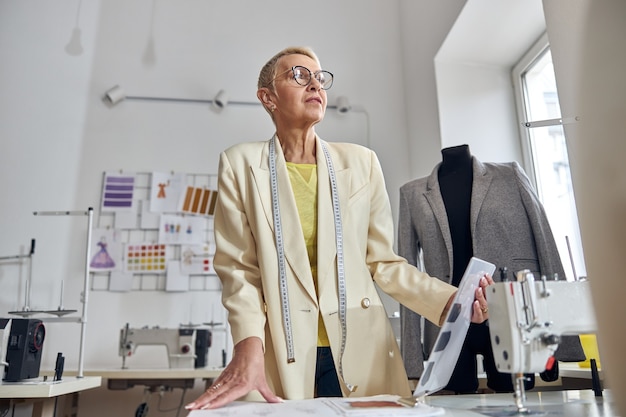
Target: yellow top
(303, 179)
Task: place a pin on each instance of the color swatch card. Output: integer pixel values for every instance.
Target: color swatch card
(117, 191)
(198, 200)
(147, 257)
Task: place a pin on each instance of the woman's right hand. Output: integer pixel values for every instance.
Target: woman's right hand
(244, 373)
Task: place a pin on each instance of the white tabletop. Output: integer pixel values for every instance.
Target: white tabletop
(38, 388)
(573, 370)
(554, 403)
(157, 373)
(570, 403)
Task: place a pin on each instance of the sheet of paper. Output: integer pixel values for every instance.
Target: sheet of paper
(106, 250)
(178, 230)
(379, 406)
(117, 192)
(165, 191)
(442, 360)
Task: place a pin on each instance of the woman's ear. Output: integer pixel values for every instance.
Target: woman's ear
(265, 97)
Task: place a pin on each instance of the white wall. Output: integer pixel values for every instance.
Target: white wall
(61, 136)
(58, 136)
(477, 102)
(424, 27)
(473, 72)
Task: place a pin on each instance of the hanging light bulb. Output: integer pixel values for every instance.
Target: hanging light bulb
(74, 47)
(149, 54)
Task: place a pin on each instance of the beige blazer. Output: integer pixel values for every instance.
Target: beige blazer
(246, 262)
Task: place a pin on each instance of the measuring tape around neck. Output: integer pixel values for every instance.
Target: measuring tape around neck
(278, 235)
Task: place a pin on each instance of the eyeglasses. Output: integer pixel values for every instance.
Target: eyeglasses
(303, 76)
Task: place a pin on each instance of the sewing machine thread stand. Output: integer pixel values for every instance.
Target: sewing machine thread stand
(25, 312)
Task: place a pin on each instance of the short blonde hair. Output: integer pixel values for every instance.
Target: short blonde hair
(268, 72)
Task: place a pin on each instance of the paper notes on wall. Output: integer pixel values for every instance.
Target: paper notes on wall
(117, 192)
(200, 201)
(147, 257)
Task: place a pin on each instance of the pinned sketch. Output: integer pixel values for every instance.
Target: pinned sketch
(165, 191)
(106, 250)
(447, 348)
(198, 200)
(117, 192)
(147, 257)
(197, 259)
(178, 230)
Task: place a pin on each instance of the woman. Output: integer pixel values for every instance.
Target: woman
(303, 230)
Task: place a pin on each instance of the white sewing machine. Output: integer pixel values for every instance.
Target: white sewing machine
(527, 318)
(187, 347)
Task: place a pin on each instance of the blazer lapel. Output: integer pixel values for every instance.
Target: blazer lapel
(480, 185)
(435, 200)
(294, 247)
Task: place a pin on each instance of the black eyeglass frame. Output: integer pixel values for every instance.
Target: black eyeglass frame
(311, 76)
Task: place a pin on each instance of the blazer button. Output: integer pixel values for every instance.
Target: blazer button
(365, 303)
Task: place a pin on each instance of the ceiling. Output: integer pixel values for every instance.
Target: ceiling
(493, 32)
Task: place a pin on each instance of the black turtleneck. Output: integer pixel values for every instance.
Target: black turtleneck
(455, 181)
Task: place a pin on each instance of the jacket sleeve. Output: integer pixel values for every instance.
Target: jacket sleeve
(411, 345)
(547, 250)
(409, 286)
(235, 259)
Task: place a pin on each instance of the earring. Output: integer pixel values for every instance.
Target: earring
(272, 109)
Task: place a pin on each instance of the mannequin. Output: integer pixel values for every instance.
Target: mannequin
(455, 182)
(467, 208)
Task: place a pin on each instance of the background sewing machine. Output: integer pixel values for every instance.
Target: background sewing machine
(527, 318)
(21, 343)
(187, 347)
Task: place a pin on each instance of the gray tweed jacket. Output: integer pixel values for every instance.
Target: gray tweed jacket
(509, 228)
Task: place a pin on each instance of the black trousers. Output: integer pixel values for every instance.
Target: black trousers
(326, 380)
(464, 379)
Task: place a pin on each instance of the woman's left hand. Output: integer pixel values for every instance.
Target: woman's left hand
(480, 308)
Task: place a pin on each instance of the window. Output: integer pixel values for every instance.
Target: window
(545, 151)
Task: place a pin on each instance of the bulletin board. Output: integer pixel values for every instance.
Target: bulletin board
(154, 232)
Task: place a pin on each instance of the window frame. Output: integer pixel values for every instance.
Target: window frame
(534, 54)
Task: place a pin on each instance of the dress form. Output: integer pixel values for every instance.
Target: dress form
(455, 182)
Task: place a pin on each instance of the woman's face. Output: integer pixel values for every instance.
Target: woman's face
(297, 105)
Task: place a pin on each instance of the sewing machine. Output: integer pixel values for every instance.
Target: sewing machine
(187, 347)
(5, 331)
(21, 342)
(527, 317)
